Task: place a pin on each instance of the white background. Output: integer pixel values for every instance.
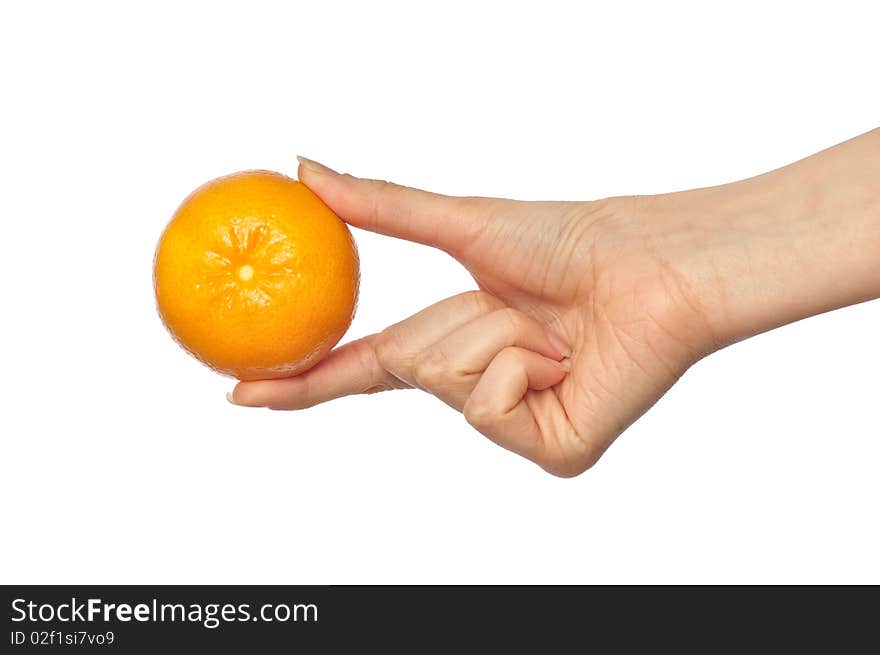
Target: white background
(121, 460)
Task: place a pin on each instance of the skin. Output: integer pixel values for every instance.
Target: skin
(588, 312)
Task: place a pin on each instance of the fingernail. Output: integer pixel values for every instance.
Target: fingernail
(314, 166)
(565, 364)
(559, 344)
(230, 398)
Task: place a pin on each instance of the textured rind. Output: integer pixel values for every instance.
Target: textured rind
(281, 368)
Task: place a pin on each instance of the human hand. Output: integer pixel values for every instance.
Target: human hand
(587, 312)
(578, 327)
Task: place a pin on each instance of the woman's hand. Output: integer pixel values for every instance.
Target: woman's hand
(587, 312)
(578, 326)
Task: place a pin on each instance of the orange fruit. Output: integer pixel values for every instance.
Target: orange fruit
(255, 276)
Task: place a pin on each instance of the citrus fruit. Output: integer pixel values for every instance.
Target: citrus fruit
(255, 276)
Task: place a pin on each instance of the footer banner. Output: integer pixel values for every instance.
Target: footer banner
(270, 619)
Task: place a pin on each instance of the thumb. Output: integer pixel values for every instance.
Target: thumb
(445, 222)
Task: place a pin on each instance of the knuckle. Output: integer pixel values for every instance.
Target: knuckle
(566, 467)
(367, 356)
(480, 412)
(431, 369)
(387, 349)
(571, 457)
(515, 321)
(483, 302)
(378, 186)
(510, 357)
(378, 194)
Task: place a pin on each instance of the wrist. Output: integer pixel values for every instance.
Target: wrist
(789, 244)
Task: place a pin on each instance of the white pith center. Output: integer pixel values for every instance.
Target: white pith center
(245, 272)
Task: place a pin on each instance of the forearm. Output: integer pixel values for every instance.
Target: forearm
(789, 244)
